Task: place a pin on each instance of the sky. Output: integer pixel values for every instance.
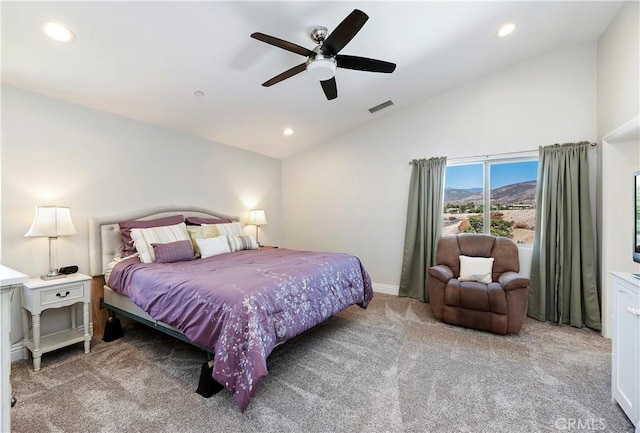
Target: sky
(501, 174)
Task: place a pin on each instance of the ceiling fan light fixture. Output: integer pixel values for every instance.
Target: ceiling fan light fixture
(322, 68)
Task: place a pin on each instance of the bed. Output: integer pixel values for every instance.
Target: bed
(237, 305)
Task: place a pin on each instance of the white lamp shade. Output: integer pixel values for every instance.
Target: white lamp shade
(257, 218)
(51, 221)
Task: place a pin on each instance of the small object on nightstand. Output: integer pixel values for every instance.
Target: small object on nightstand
(39, 295)
(68, 270)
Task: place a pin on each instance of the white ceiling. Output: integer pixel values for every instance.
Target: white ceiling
(144, 60)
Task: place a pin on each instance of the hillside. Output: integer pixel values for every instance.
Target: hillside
(522, 193)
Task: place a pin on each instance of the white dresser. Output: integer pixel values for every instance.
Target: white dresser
(625, 356)
(10, 281)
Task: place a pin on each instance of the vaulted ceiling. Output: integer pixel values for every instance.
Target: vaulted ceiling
(146, 60)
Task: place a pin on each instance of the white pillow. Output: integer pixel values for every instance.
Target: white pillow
(143, 238)
(476, 269)
(213, 246)
(201, 232)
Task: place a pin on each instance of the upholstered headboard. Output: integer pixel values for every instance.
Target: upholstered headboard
(105, 239)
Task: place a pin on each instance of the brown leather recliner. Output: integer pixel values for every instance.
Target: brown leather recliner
(498, 307)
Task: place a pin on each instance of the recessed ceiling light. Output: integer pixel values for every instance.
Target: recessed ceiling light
(505, 30)
(58, 32)
(288, 131)
(198, 93)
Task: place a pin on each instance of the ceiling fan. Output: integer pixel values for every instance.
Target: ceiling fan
(323, 60)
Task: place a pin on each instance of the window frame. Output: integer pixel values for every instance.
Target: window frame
(487, 162)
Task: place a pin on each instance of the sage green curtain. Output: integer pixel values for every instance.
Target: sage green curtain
(424, 225)
(564, 286)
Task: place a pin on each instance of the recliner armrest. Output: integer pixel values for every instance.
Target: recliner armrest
(441, 272)
(513, 280)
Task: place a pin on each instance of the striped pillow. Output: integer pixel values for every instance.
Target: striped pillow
(126, 226)
(213, 246)
(179, 251)
(143, 238)
(230, 229)
(245, 242)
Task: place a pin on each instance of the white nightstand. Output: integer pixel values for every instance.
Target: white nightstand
(39, 295)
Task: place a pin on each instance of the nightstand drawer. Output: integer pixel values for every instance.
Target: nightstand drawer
(63, 294)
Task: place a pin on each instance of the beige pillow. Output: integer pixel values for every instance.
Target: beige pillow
(205, 231)
(476, 269)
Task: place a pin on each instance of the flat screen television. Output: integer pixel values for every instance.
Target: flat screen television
(636, 217)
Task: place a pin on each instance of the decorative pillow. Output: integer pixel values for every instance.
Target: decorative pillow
(197, 221)
(143, 238)
(230, 229)
(126, 226)
(201, 232)
(213, 246)
(476, 269)
(179, 251)
(244, 242)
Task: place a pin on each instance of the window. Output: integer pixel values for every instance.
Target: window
(506, 188)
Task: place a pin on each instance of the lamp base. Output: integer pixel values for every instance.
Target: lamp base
(52, 275)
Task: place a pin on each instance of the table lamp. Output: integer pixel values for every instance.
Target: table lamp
(51, 222)
(257, 218)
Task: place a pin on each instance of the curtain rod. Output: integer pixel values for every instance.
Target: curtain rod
(592, 144)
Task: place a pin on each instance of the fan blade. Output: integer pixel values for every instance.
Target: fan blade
(330, 88)
(345, 31)
(364, 64)
(286, 74)
(285, 45)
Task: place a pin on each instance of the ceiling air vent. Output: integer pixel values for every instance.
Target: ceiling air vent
(381, 106)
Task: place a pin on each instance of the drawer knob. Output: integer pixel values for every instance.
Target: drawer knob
(60, 295)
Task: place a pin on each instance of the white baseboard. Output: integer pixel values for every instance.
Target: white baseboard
(16, 351)
(387, 289)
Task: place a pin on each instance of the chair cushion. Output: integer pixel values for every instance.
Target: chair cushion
(472, 295)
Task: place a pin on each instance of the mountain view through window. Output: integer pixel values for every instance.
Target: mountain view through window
(506, 189)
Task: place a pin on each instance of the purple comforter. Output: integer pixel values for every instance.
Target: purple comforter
(242, 304)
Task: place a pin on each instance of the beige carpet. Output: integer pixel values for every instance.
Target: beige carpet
(390, 368)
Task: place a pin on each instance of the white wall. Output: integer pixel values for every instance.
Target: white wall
(351, 194)
(618, 73)
(618, 104)
(99, 164)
